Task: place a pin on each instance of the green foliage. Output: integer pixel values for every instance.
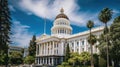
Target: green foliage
(115, 40)
(92, 39)
(96, 60)
(84, 57)
(90, 24)
(29, 60)
(76, 60)
(67, 54)
(5, 26)
(102, 46)
(102, 62)
(32, 46)
(16, 58)
(3, 58)
(105, 15)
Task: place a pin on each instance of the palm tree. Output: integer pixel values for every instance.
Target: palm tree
(104, 16)
(91, 40)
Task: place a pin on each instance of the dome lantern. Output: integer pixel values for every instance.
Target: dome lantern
(62, 10)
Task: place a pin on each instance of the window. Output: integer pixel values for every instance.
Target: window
(72, 44)
(82, 42)
(77, 43)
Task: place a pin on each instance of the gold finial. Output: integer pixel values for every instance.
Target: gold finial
(62, 10)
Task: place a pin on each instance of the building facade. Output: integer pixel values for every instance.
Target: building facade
(18, 49)
(50, 49)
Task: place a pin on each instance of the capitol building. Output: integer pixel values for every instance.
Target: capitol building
(50, 49)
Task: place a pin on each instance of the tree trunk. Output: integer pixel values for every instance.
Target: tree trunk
(92, 64)
(106, 30)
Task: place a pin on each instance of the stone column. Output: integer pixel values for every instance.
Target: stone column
(46, 48)
(53, 48)
(52, 61)
(49, 60)
(46, 60)
(42, 60)
(37, 60)
(50, 49)
(74, 46)
(79, 47)
(39, 49)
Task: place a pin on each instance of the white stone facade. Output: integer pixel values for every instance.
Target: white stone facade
(50, 49)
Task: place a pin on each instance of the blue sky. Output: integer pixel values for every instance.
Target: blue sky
(28, 16)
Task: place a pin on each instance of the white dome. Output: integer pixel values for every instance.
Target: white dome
(61, 27)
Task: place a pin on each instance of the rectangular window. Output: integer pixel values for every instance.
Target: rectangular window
(72, 44)
(77, 43)
(83, 42)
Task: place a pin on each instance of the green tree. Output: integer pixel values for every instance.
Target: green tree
(74, 59)
(29, 60)
(4, 29)
(16, 58)
(67, 54)
(84, 57)
(91, 40)
(96, 60)
(32, 46)
(104, 16)
(102, 46)
(115, 38)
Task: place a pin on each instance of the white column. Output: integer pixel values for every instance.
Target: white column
(79, 47)
(74, 46)
(39, 49)
(46, 60)
(53, 48)
(43, 60)
(56, 60)
(50, 48)
(49, 60)
(52, 61)
(37, 60)
(46, 49)
(85, 44)
(40, 61)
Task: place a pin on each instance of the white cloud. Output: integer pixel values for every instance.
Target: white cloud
(48, 9)
(21, 36)
(116, 11)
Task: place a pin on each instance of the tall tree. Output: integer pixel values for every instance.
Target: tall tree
(32, 46)
(4, 29)
(75, 59)
(84, 57)
(16, 58)
(104, 16)
(67, 54)
(91, 40)
(115, 38)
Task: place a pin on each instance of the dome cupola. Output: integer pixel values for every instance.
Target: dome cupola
(61, 15)
(61, 26)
